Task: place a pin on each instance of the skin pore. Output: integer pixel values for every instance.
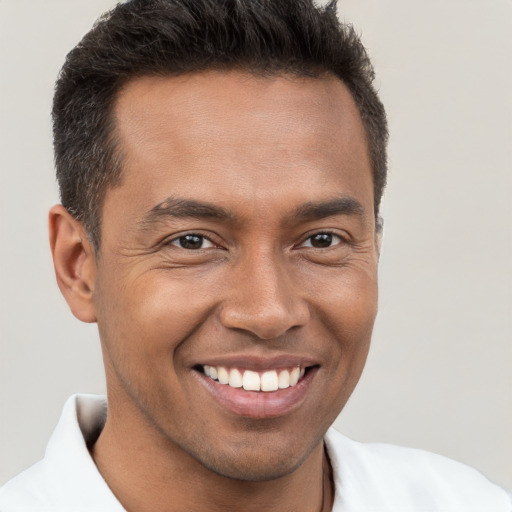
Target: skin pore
(242, 235)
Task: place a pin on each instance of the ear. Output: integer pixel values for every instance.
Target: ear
(379, 228)
(74, 262)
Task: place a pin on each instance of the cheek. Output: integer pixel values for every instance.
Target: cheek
(346, 307)
(148, 317)
(142, 326)
(346, 296)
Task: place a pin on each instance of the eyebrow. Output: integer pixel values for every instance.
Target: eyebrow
(184, 208)
(317, 210)
(180, 208)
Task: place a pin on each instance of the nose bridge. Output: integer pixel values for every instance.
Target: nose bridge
(263, 298)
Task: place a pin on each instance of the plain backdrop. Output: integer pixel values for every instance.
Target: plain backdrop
(439, 374)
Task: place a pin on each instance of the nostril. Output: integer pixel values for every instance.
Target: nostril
(265, 305)
(266, 323)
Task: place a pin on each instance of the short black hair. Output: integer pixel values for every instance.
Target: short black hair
(173, 37)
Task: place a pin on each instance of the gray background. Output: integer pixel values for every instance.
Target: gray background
(439, 373)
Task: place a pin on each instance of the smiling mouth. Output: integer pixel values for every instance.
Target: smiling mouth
(258, 389)
(267, 381)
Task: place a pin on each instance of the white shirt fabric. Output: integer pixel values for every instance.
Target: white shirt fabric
(368, 477)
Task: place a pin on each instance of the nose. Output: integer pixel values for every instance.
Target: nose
(263, 299)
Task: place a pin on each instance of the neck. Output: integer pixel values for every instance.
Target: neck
(148, 472)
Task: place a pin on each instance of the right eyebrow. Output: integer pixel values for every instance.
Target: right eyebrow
(181, 208)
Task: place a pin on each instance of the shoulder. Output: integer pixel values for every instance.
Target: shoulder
(405, 477)
(25, 491)
(66, 479)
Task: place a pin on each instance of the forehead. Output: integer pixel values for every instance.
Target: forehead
(224, 136)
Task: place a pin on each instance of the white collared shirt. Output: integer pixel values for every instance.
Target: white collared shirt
(368, 477)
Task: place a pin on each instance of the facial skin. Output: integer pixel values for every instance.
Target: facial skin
(260, 169)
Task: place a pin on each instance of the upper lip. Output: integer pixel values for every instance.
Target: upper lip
(259, 363)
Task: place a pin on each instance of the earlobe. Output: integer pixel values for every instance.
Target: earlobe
(74, 262)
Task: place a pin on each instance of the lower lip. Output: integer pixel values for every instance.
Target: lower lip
(259, 404)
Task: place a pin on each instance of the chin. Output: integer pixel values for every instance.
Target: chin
(263, 468)
(258, 463)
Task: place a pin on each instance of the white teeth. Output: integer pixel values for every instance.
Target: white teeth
(284, 379)
(271, 380)
(235, 378)
(294, 376)
(222, 375)
(251, 381)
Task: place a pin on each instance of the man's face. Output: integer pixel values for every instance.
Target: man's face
(242, 238)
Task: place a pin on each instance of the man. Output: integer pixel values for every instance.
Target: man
(221, 165)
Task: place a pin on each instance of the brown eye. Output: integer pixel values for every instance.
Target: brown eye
(322, 240)
(192, 242)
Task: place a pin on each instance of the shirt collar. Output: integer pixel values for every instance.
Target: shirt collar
(72, 478)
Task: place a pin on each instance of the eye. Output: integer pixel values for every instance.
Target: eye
(192, 241)
(322, 240)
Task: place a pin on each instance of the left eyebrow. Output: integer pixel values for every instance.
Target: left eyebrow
(317, 210)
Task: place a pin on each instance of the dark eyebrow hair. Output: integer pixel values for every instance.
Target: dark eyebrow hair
(184, 208)
(316, 210)
(190, 208)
